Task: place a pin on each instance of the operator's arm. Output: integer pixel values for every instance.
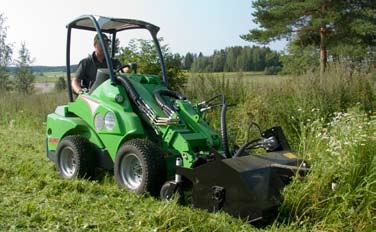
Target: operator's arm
(76, 85)
(80, 74)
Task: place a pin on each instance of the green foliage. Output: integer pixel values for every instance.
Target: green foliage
(60, 84)
(144, 53)
(344, 28)
(272, 70)
(5, 56)
(271, 101)
(24, 77)
(17, 110)
(237, 59)
(188, 61)
(5, 83)
(47, 69)
(299, 60)
(340, 192)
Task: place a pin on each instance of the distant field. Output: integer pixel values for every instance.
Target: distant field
(230, 74)
(53, 76)
(237, 77)
(48, 76)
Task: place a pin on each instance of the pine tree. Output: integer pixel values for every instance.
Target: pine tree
(324, 24)
(24, 76)
(188, 60)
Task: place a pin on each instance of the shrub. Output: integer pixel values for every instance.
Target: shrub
(272, 70)
(60, 84)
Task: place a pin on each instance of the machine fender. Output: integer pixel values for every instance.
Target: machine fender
(59, 127)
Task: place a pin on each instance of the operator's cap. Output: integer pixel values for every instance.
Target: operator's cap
(106, 39)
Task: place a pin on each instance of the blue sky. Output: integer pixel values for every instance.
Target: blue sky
(186, 26)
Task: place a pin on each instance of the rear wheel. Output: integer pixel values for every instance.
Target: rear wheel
(140, 167)
(75, 157)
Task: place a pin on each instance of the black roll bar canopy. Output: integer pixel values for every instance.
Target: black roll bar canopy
(102, 24)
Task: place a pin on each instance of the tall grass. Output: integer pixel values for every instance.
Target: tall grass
(34, 198)
(17, 110)
(327, 119)
(340, 191)
(285, 101)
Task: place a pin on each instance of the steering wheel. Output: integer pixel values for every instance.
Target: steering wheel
(131, 66)
(121, 68)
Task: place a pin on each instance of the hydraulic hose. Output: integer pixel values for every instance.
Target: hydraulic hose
(205, 105)
(132, 93)
(244, 147)
(224, 128)
(162, 103)
(130, 89)
(143, 107)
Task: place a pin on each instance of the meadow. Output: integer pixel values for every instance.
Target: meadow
(329, 121)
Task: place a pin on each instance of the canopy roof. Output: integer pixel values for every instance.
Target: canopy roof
(111, 25)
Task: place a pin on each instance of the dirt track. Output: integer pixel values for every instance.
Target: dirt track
(46, 87)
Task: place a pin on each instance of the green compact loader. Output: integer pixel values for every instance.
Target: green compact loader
(157, 142)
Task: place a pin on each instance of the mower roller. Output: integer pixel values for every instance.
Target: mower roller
(157, 142)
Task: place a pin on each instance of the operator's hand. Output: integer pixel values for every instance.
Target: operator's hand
(83, 90)
(125, 69)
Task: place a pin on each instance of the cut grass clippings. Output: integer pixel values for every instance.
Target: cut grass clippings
(34, 198)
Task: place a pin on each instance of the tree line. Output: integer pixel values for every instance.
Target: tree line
(43, 69)
(233, 59)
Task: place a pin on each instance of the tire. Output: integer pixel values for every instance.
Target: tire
(75, 157)
(140, 167)
(171, 190)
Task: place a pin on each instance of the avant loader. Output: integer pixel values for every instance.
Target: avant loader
(157, 142)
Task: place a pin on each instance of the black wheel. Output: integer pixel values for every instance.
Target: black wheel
(140, 167)
(171, 190)
(75, 157)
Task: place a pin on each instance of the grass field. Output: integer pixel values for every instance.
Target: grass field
(34, 198)
(328, 121)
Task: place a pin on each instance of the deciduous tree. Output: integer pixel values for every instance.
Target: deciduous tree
(24, 77)
(143, 52)
(5, 55)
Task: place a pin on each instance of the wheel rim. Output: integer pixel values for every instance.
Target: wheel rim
(131, 171)
(68, 164)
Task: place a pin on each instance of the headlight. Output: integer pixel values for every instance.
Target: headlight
(109, 121)
(98, 122)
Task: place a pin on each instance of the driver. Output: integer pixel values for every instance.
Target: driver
(87, 68)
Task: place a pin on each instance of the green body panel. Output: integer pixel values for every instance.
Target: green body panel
(189, 138)
(61, 124)
(101, 101)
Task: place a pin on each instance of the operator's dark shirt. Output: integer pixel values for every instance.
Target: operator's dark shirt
(87, 69)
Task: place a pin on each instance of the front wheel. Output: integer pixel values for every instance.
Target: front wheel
(140, 167)
(75, 157)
